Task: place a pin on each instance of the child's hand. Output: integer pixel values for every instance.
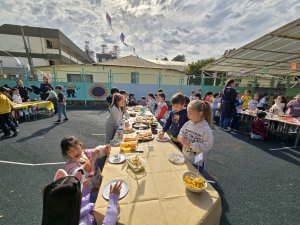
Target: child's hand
(116, 188)
(180, 139)
(106, 150)
(186, 142)
(88, 167)
(86, 182)
(161, 135)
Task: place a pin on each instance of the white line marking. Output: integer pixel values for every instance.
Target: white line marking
(283, 148)
(98, 134)
(31, 164)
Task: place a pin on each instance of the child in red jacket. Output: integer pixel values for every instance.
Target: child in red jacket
(258, 129)
(162, 107)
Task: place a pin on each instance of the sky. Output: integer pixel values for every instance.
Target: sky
(156, 28)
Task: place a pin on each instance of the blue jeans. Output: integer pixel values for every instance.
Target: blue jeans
(226, 122)
(62, 109)
(235, 121)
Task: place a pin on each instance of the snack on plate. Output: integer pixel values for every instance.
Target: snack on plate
(137, 108)
(140, 125)
(132, 114)
(197, 183)
(129, 139)
(146, 136)
(128, 130)
(176, 158)
(128, 146)
(144, 119)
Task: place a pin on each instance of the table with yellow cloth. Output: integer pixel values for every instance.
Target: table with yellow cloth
(41, 104)
(158, 195)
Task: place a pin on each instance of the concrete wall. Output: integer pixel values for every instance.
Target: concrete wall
(120, 74)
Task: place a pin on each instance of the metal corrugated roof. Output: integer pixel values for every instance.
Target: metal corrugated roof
(270, 54)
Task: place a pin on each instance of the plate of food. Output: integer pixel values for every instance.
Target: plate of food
(164, 139)
(116, 158)
(176, 158)
(132, 114)
(128, 146)
(129, 139)
(128, 130)
(137, 109)
(193, 182)
(135, 162)
(123, 192)
(145, 136)
(140, 125)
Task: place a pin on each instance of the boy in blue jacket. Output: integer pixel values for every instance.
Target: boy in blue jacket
(177, 118)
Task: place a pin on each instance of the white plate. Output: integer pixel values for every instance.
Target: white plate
(115, 143)
(116, 158)
(106, 190)
(165, 139)
(176, 158)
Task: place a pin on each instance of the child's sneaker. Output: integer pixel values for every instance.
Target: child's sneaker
(16, 132)
(66, 119)
(57, 121)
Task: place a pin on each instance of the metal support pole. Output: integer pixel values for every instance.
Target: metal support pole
(84, 88)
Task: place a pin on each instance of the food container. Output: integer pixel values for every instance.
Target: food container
(128, 147)
(135, 162)
(193, 176)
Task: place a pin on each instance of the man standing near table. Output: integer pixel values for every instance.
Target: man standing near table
(294, 106)
(23, 91)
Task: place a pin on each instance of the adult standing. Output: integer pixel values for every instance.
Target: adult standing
(228, 103)
(294, 106)
(23, 90)
(44, 87)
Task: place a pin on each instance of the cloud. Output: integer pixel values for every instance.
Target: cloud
(157, 28)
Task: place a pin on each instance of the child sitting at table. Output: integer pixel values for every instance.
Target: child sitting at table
(16, 96)
(131, 100)
(114, 120)
(143, 101)
(196, 135)
(252, 105)
(151, 102)
(258, 128)
(162, 107)
(63, 203)
(79, 158)
(177, 118)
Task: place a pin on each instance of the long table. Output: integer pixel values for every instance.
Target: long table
(158, 195)
(284, 124)
(42, 104)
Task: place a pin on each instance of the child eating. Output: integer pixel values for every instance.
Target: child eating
(79, 158)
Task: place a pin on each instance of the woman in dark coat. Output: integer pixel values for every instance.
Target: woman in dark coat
(228, 103)
(44, 88)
